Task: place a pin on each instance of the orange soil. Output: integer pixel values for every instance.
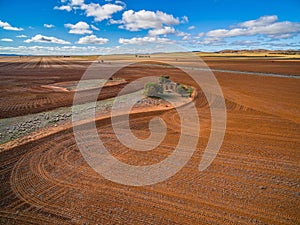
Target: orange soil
(253, 180)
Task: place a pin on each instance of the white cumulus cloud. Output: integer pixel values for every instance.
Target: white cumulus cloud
(265, 25)
(262, 21)
(6, 39)
(101, 12)
(184, 19)
(135, 21)
(7, 26)
(48, 25)
(162, 31)
(63, 7)
(77, 2)
(94, 28)
(92, 39)
(79, 28)
(46, 39)
(144, 40)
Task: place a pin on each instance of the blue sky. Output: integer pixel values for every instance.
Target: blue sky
(106, 26)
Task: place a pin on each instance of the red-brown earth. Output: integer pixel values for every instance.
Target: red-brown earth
(253, 180)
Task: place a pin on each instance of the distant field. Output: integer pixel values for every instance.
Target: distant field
(251, 54)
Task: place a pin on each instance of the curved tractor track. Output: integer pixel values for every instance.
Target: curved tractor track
(49, 179)
(253, 180)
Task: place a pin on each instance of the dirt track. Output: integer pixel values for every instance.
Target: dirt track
(254, 179)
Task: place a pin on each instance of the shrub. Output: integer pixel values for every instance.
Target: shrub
(189, 90)
(184, 91)
(164, 79)
(180, 89)
(152, 89)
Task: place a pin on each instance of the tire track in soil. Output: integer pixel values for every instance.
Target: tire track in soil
(253, 180)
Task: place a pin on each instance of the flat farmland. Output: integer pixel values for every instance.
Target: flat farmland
(253, 180)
